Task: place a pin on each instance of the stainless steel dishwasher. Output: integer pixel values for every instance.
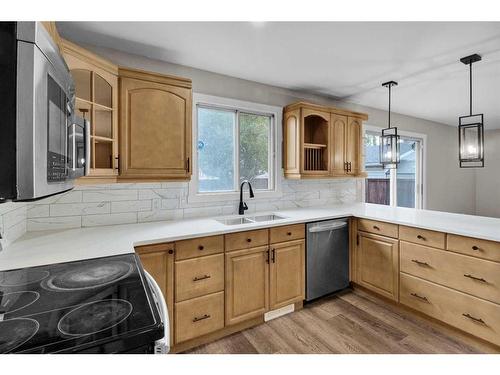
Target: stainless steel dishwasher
(327, 260)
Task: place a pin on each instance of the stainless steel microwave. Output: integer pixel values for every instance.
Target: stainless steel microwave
(44, 147)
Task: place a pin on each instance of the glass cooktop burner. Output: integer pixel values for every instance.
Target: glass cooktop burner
(94, 317)
(89, 276)
(22, 277)
(10, 302)
(15, 332)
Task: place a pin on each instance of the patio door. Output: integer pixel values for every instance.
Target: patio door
(401, 187)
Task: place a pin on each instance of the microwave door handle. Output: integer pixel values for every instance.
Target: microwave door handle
(86, 129)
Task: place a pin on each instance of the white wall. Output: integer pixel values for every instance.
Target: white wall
(488, 178)
(449, 188)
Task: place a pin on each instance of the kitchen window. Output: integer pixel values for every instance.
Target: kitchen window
(401, 187)
(233, 141)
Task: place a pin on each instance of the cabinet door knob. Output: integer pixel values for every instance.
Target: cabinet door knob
(170, 251)
(201, 247)
(475, 247)
(249, 240)
(289, 233)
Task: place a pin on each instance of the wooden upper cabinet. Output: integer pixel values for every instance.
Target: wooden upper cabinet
(291, 143)
(315, 129)
(353, 146)
(321, 141)
(96, 84)
(155, 126)
(339, 130)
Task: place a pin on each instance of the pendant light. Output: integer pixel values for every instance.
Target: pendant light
(471, 129)
(389, 141)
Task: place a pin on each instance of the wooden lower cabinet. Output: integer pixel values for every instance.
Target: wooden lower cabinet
(247, 284)
(287, 274)
(158, 261)
(470, 314)
(377, 260)
(199, 316)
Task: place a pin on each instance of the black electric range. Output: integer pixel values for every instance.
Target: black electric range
(101, 305)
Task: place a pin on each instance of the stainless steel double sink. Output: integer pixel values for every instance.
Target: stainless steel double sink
(250, 219)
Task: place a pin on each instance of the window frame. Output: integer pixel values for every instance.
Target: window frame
(421, 169)
(237, 106)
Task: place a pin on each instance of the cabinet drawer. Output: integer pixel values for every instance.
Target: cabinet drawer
(378, 227)
(199, 316)
(473, 315)
(287, 233)
(198, 247)
(199, 276)
(478, 277)
(422, 236)
(246, 240)
(474, 247)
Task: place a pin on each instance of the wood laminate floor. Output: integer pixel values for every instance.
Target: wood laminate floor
(353, 322)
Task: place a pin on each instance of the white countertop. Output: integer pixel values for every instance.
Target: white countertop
(39, 248)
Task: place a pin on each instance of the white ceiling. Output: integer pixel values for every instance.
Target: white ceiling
(347, 60)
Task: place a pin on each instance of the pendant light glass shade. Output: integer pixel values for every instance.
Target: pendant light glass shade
(389, 148)
(471, 129)
(389, 140)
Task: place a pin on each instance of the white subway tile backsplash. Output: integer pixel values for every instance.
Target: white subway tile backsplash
(159, 215)
(110, 195)
(38, 210)
(81, 209)
(122, 203)
(109, 219)
(130, 206)
(14, 217)
(49, 223)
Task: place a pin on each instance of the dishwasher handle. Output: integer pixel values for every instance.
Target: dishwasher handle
(328, 227)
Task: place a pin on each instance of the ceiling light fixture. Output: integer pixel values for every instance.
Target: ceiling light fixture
(389, 141)
(471, 129)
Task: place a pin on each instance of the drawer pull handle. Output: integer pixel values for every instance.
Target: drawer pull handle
(475, 278)
(419, 297)
(197, 319)
(199, 278)
(420, 263)
(288, 233)
(478, 320)
(475, 248)
(420, 237)
(376, 228)
(249, 240)
(201, 247)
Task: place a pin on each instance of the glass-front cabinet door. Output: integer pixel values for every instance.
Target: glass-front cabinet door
(96, 82)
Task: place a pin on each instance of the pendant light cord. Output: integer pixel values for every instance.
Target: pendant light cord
(470, 87)
(390, 106)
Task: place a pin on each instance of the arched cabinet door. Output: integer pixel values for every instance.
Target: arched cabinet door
(155, 126)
